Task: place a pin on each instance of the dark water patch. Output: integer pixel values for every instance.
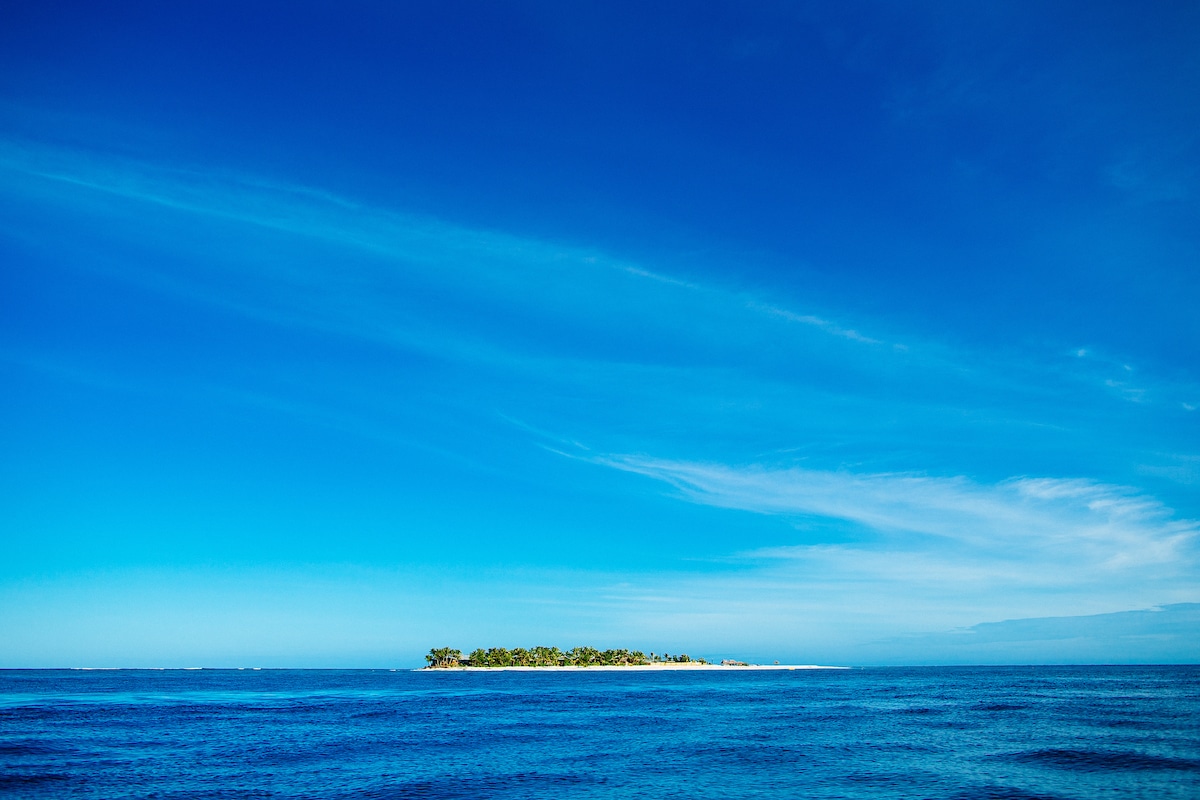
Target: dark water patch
(1002, 793)
(15, 781)
(956, 724)
(1102, 760)
(228, 793)
(889, 778)
(520, 784)
(17, 713)
(995, 707)
(1141, 724)
(29, 748)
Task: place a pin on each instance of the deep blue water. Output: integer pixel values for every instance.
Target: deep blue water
(1032, 732)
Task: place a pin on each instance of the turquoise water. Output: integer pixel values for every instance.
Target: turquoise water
(1038, 732)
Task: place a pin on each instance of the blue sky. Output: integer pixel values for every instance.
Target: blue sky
(812, 332)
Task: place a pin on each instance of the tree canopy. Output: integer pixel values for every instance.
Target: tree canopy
(445, 657)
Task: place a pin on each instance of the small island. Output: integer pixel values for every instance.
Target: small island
(501, 657)
(521, 659)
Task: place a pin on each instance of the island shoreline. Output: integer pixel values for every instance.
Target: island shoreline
(681, 667)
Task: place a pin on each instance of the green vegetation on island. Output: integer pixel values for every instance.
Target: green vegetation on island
(449, 658)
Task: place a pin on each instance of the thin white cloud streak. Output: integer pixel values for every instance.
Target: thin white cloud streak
(654, 276)
(386, 255)
(1032, 524)
(474, 262)
(817, 322)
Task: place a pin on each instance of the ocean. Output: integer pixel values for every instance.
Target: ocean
(1011, 732)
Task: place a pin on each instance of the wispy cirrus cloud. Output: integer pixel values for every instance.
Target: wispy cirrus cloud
(312, 257)
(925, 554)
(462, 265)
(813, 320)
(1021, 525)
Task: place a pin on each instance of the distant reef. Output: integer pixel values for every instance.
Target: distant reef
(449, 658)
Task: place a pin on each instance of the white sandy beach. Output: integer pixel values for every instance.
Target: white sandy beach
(689, 667)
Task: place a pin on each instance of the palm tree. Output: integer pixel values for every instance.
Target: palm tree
(443, 657)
